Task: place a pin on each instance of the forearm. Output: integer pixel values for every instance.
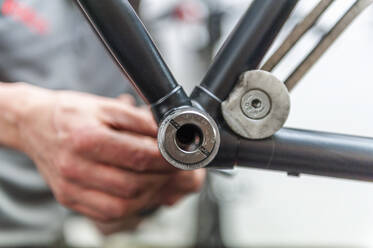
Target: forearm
(14, 104)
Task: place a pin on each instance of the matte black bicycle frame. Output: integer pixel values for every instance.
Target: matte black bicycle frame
(291, 150)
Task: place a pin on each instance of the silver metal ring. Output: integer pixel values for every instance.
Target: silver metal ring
(188, 138)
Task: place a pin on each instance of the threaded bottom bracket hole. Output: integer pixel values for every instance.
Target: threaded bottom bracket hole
(189, 138)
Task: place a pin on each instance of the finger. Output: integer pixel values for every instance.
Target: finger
(108, 208)
(172, 200)
(145, 108)
(127, 99)
(129, 118)
(124, 149)
(186, 182)
(88, 212)
(112, 180)
(126, 224)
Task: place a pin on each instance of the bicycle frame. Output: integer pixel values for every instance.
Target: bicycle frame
(291, 150)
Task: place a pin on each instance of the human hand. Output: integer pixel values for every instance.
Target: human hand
(100, 155)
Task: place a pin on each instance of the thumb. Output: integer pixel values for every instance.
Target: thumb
(127, 99)
(129, 118)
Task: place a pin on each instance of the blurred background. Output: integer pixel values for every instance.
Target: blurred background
(254, 208)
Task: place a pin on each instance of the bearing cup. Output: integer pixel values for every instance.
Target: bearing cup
(188, 138)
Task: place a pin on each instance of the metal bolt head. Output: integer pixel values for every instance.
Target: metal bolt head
(255, 104)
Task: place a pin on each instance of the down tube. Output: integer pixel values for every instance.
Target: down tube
(244, 50)
(310, 152)
(126, 38)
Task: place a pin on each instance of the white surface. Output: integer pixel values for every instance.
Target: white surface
(81, 232)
